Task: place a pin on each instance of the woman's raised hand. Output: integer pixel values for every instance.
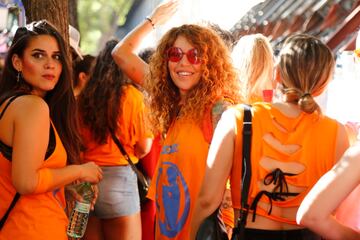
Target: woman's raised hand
(163, 12)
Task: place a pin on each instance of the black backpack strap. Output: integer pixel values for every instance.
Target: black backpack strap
(239, 231)
(17, 195)
(12, 205)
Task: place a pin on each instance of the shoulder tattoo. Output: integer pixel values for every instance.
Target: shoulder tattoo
(217, 110)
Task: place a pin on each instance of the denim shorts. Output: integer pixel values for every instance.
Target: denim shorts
(118, 193)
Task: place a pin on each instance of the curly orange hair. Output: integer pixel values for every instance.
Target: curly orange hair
(218, 77)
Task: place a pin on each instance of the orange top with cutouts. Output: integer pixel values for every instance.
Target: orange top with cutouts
(288, 155)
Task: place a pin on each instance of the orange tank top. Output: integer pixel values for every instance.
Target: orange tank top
(132, 128)
(178, 178)
(308, 140)
(35, 216)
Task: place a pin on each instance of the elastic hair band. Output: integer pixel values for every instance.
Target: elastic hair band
(305, 95)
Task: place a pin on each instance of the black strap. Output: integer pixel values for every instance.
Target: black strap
(17, 195)
(139, 174)
(9, 102)
(12, 205)
(246, 163)
(245, 171)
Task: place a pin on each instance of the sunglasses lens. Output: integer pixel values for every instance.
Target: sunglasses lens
(193, 56)
(174, 54)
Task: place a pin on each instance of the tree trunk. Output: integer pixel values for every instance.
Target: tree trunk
(73, 14)
(55, 11)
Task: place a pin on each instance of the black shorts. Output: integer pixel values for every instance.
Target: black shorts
(298, 234)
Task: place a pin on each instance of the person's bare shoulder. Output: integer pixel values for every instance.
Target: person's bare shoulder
(29, 107)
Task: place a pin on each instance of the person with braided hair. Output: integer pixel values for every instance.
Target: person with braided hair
(289, 151)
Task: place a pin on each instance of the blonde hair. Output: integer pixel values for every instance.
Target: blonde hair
(306, 65)
(253, 58)
(218, 77)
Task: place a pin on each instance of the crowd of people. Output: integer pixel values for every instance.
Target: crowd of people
(178, 110)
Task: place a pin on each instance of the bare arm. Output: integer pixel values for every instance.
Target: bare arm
(218, 168)
(143, 147)
(316, 210)
(30, 140)
(124, 53)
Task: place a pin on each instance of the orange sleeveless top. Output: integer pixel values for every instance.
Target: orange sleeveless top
(178, 178)
(308, 140)
(35, 216)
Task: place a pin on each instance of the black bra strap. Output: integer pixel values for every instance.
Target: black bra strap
(8, 103)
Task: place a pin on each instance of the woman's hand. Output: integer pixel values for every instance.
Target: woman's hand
(163, 12)
(72, 194)
(90, 172)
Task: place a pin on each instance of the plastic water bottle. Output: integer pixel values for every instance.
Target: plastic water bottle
(80, 213)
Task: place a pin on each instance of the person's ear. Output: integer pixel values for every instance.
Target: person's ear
(16, 62)
(83, 78)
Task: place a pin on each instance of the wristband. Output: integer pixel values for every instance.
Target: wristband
(151, 22)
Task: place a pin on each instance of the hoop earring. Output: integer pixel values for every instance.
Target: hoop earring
(18, 76)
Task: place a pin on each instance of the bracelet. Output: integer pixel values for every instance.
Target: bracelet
(151, 22)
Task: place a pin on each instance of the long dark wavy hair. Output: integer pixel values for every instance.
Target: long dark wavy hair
(99, 102)
(61, 99)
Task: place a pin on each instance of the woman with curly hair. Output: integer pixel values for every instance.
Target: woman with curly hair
(110, 103)
(189, 79)
(289, 151)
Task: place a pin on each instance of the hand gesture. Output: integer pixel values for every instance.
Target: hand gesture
(163, 12)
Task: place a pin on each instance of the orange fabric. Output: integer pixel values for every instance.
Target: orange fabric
(178, 179)
(45, 177)
(35, 216)
(132, 128)
(314, 134)
(227, 208)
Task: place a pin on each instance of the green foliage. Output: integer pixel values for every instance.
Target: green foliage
(100, 18)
